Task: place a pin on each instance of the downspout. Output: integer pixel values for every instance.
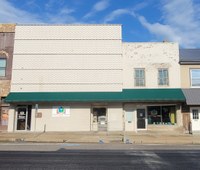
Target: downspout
(36, 111)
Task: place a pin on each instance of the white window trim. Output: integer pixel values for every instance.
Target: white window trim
(135, 77)
(165, 85)
(191, 77)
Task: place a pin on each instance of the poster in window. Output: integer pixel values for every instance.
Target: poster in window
(129, 116)
(4, 118)
(61, 111)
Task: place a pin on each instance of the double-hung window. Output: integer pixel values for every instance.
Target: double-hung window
(195, 77)
(163, 77)
(139, 77)
(195, 114)
(2, 67)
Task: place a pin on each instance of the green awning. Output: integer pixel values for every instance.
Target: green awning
(127, 95)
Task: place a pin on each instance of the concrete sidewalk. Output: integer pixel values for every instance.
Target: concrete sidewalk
(100, 137)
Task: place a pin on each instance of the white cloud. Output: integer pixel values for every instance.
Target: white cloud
(62, 17)
(116, 13)
(10, 14)
(66, 11)
(51, 5)
(164, 31)
(124, 11)
(99, 6)
(180, 23)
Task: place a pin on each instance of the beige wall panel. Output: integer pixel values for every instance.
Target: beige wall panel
(115, 117)
(179, 117)
(67, 62)
(33, 118)
(68, 32)
(66, 76)
(79, 119)
(65, 87)
(130, 125)
(11, 119)
(151, 56)
(67, 47)
(185, 75)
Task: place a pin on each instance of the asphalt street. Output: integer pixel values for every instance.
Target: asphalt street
(136, 157)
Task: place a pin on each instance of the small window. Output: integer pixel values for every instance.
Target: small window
(2, 67)
(163, 78)
(139, 77)
(195, 77)
(195, 114)
(3, 100)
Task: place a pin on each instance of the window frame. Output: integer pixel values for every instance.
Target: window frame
(163, 79)
(191, 79)
(195, 114)
(162, 115)
(3, 68)
(139, 79)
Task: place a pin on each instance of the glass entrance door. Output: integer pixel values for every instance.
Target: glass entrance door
(195, 118)
(141, 123)
(100, 113)
(21, 118)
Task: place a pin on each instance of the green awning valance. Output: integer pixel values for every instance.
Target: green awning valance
(127, 95)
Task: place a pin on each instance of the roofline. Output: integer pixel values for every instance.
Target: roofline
(189, 49)
(39, 24)
(189, 62)
(149, 42)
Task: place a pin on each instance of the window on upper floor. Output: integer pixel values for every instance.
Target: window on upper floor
(163, 77)
(195, 77)
(139, 77)
(2, 67)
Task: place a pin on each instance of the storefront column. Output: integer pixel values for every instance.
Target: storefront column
(11, 119)
(179, 115)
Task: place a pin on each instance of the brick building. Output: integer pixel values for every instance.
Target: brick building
(7, 32)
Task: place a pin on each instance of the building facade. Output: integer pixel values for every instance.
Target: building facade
(190, 82)
(7, 32)
(84, 78)
(153, 66)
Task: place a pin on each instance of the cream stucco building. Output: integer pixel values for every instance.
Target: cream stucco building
(84, 78)
(190, 83)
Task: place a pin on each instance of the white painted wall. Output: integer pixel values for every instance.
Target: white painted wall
(151, 56)
(81, 31)
(11, 119)
(79, 119)
(67, 58)
(53, 47)
(115, 117)
(97, 61)
(130, 125)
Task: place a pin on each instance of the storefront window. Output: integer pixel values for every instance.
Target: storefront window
(161, 115)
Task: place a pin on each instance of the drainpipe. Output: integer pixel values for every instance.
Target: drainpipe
(36, 111)
(190, 127)
(124, 138)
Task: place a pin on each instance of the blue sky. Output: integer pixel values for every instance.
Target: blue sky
(142, 20)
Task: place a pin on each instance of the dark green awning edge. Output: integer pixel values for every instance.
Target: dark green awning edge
(127, 95)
